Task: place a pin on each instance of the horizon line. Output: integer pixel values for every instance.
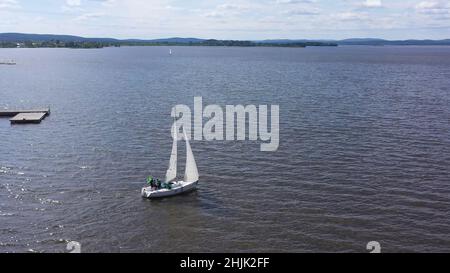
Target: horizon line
(265, 39)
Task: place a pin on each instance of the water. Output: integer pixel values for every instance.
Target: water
(364, 152)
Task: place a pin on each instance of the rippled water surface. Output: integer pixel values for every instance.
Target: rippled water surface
(364, 152)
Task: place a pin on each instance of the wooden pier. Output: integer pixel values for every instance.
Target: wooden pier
(25, 116)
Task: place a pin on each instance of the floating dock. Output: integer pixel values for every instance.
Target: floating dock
(25, 116)
(28, 118)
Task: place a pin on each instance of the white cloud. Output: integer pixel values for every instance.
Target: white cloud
(88, 16)
(372, 4)
(294, 1)
(433, 7)
(351, 16)
(226, 10)
(106, 3)
(9, 4)
(73, 3)
(302, 11)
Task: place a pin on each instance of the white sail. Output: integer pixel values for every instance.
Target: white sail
(171, 173)
(191, 174)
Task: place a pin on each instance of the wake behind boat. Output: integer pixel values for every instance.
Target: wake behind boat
(172, 187)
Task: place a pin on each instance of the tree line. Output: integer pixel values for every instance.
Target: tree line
(98, 44)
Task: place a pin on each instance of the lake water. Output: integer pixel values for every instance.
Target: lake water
(364, 150)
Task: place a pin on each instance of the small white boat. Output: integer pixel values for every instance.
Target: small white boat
(174, 187)
(8, 62)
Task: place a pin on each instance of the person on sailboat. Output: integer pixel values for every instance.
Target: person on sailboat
(157, 184)
(153, 183)
(150, 181)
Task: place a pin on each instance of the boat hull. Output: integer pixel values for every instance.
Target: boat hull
(179, 188)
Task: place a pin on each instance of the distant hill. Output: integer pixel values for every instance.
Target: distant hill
(381, 42)
(11, 40)
(47, 38)
(177, 40)
(289, 41)
(21, 37)
(364, 41)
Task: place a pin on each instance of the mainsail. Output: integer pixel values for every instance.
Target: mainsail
(171, 173)
(191, 174)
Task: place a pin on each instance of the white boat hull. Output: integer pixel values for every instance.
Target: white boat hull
(177, 189)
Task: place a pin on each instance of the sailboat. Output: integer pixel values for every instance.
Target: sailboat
(11, 62)
(170, 51)
(173, 187)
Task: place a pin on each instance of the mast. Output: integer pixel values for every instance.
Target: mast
(171, 173)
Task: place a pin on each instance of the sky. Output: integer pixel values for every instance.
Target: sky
(233, 19)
